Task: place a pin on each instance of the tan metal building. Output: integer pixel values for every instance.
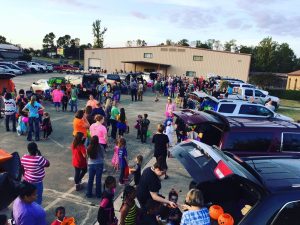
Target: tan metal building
(293, 82)
(188, 61)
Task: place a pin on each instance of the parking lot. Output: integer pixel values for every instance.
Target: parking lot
(58, 184)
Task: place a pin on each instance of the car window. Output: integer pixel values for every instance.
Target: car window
(262, 111)
(248, 141)
(248, 110)
(227, 108)
(113, 77)
(259, 94)
(290, 142)
(289, 214)
(248, 92)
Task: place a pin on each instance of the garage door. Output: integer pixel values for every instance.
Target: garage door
(94, 64)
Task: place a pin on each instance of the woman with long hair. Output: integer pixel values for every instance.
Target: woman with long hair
(122, 123)
(79, 159)
(33, 107)
(95, 166)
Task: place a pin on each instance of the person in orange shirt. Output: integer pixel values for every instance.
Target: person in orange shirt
(80, 123)
(92, 102)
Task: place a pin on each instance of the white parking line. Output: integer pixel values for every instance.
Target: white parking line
(55, 142)
(59, 199)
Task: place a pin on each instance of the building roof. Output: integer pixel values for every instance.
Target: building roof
(295, 73)
(145, 62)
(8, 47)
(175, 46)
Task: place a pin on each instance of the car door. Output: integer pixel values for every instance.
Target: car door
(206, 163)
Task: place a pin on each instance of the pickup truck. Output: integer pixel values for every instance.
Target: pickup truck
(259, 96)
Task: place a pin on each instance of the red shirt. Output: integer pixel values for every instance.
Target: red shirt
(78, 156)
(56, 222)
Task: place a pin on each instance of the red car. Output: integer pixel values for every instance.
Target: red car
(64, 68)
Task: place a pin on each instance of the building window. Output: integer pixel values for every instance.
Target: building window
(289, 84)
(148, 55)
(190, 73)
(198, 58)
(295, 85)
(164, 49)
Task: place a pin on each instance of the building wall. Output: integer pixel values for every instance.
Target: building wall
(293, 83)
(180, 60)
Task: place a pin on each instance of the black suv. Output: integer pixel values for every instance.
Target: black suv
(269, 187)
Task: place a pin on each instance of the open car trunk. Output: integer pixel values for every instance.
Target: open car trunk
(231, 193)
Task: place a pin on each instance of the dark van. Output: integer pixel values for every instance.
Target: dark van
(244, 136)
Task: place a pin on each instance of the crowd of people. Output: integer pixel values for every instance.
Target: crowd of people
(95, 127)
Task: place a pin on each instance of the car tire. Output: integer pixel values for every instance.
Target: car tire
(43, 71)
(33, 70)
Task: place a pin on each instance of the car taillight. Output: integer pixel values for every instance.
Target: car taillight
(222, 170)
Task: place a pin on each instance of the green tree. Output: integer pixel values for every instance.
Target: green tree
(169, 42)
(140, 43)
(2, 40)
(286, 59)
(199, 44)
(183, 42)
(230, 44)
(98, 34)
(48, 41)
(265, 55)
(64, 41)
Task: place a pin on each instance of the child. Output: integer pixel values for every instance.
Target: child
(122, 123)
(129, 209)
(122, 160)
(46, 125)
(61, 219)
(138, 126)
(170, 132)
(115, 158)
(22, 125)
(144, 128)
(177, 100)
(171, 215)
(136, 170)
(152, 209)
(65, 100)
(106, 213)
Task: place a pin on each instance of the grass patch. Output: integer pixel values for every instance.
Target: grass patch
(289, 103)
(295, 114)
(50, 60)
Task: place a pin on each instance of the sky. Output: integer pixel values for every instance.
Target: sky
(26, 22)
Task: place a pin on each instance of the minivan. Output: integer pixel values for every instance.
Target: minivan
(243, 136)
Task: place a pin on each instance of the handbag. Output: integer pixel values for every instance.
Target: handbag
(148, 133)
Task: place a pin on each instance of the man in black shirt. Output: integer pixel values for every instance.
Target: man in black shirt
(150, 185)
(161, 144)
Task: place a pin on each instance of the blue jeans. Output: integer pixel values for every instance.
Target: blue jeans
(94, 170)
(39, 187)
(34, 125)
(73, 104)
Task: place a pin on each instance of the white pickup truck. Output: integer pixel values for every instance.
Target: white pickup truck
(258, 95)
(36, 67)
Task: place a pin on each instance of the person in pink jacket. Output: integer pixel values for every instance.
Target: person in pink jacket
(57, 96)
(170, 108)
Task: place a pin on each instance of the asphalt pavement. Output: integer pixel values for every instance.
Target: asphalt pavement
(58, 184)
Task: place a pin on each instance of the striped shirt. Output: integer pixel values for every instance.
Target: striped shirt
(34, 165)
(10, 107)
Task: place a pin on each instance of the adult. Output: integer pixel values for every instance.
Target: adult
(133, 89)
(25, 209)
(33, 107)
(117, 91)
(57, 96)
(95, 166)
(100, 89)
(181, 95)
(161, 144)
(88, 114)
(195, 212)
(107, 110)
(157, 89)
(10, 110)
(21, 98)
(269, 104)
(140, 91)
(99, 130)
(113, 119)
(150, 184)
(92, 102)
(79, 160)
(80, 123)
(170, 108)
(74, 98)
(34, 165)
(98, 110)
